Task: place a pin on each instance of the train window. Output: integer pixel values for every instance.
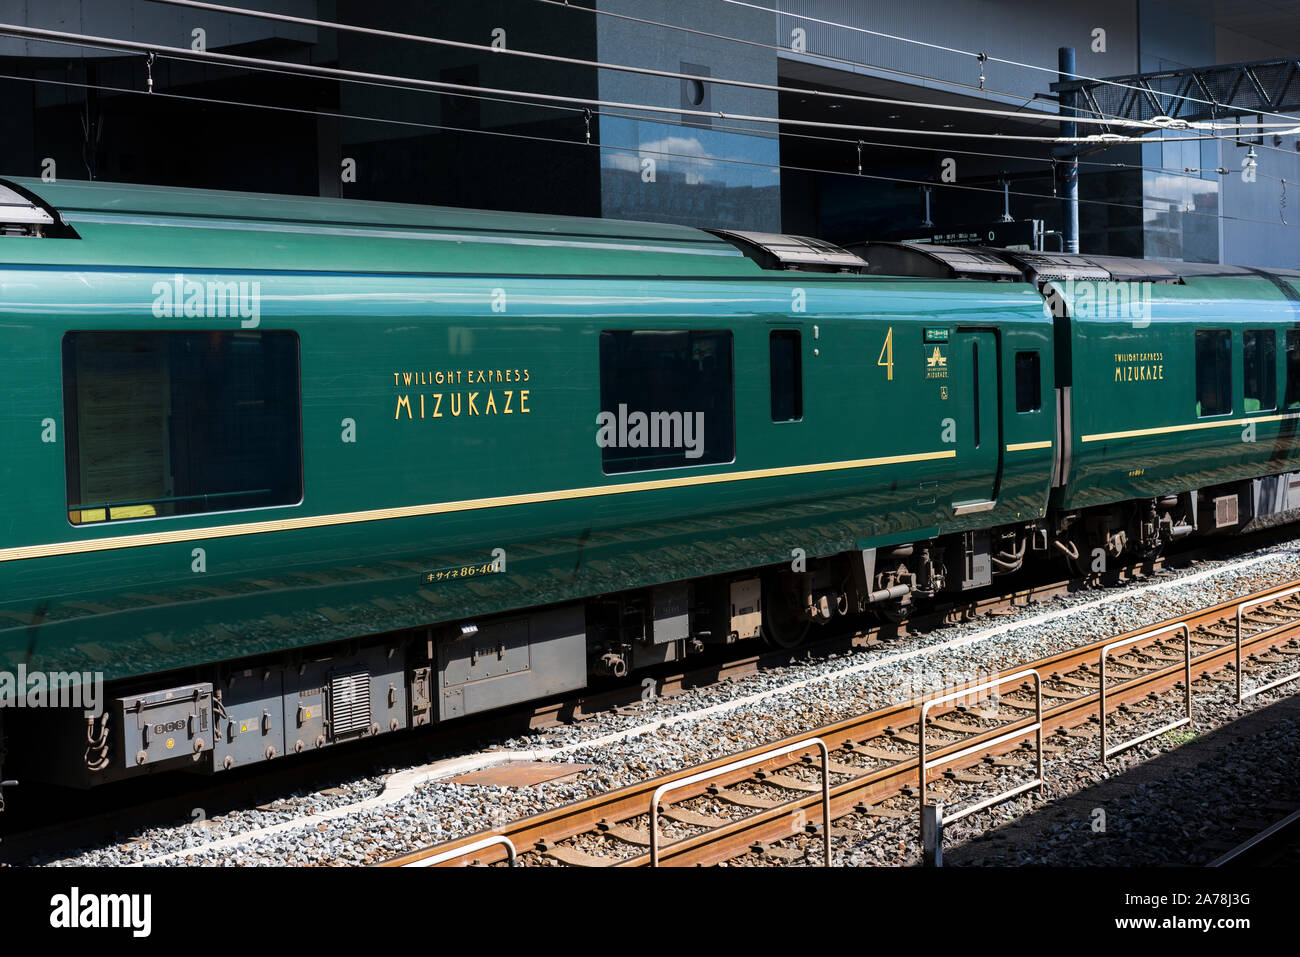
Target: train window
(1213, 372)
(787, 375)
(177, 423)
(1293, 368)
(666, 400)
(1259, 358)
(1029, 387)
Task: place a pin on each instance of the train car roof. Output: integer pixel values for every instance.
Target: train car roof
(152, 226)
(117, 225)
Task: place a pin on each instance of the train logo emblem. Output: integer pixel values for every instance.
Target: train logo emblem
(936, 365)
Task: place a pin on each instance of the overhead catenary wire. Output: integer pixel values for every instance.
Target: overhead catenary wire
(807, 136)
(564, 4)
(769, 134)
(291, 69)
(777, 48)
(306, 69)
(1078, 108)
(1018, 157)
(828, 58)
(1291, 120)
(636, 149)
(227, 9)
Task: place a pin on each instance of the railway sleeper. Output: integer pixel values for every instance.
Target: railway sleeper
(742, 799)
(952, 726)
(576, 858)
(624, 833)
(877, 754)
(694, 818)
(776, 779)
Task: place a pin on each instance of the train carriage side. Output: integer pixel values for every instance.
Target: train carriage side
(416, 390)
(1182, 401)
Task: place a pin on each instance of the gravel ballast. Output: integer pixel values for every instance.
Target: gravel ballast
(372, 818)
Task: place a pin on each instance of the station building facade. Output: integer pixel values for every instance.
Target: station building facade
(879, 166)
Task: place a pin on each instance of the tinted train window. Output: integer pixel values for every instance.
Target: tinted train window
(666, 400)
(1213, 372)
(787, 376)
(1029, 388)
(1259, 358)
(174, 423)
(1293, 368)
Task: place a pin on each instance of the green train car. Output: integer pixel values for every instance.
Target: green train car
(286, 472)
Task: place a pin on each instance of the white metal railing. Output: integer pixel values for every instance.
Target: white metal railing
(923, 766)
(467, 850)
(1240, 611)
(736, 766)
(1108, 753)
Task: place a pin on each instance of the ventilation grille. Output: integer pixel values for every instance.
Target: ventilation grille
(349, 703)
(1225, 511)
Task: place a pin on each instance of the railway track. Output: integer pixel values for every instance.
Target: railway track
(138, 805)
(59, 823)
(1277, 844)
(982, 743)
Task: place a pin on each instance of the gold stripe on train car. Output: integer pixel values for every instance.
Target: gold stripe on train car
(1026, 446)
(440, 508)
(1192, 427)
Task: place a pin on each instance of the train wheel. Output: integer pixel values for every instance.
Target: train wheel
(896, 612)
(784, 626)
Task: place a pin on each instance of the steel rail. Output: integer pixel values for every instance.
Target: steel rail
(1263, 837)
(772, 824)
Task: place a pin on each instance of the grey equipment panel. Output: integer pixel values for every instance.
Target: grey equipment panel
(250, 718)
(781, 251)
(976, 568)
(935, 261)
(1041, 267)
(1275, 494)
(1124, 269)
(510, 660)
(163, 725)
(338, 699)
(672, 612)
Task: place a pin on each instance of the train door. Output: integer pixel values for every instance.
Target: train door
(980, 441)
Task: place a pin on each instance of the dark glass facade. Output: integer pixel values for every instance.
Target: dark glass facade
(704, 157)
